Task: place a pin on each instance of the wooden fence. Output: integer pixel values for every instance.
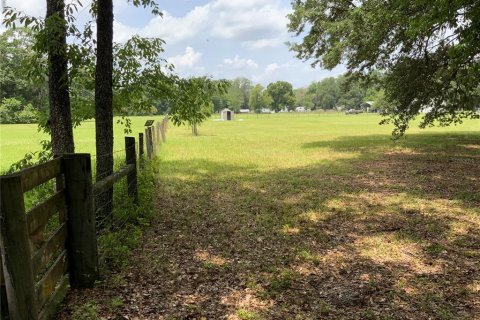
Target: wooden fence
(35, 280)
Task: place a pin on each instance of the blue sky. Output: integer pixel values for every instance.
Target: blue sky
(219, 38)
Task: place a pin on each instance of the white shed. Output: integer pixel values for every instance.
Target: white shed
(226, 114)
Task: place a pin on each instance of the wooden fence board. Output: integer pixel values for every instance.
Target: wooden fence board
(41, 173)
(38, 216)
(105, 184)
(44, 255)
(51, 305)
(16, 250)
(47, 285)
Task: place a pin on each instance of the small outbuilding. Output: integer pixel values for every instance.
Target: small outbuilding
(226, 114)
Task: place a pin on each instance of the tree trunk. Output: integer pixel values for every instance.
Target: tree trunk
(103, 104)
(58, 87)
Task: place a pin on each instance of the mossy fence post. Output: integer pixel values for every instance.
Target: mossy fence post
(140, 149)
(162, 131)
(82, 237)
(148, 142)
(131, 158)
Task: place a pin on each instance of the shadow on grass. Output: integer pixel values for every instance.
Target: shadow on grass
(395, 238)
(463, 143)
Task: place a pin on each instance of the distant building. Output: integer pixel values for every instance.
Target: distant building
(368, 106)
(300, 109)
(226, 114)
(244, 111)
(265, 110)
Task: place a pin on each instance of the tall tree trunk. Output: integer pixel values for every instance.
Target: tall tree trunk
(103, 104)
(58, 86)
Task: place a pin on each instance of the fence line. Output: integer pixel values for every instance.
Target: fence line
(35, 283)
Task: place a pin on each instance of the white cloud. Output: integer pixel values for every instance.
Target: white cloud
(36, 8)
(173, 29)
(274, 71)
(187, 60)
(122, 32)
(244, 20)
(263, 43)
(272, 67)
(240, 63)
(247, 20)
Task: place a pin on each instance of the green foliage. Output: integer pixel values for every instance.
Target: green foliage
(192, 102)
(325, 94)
(379, 100)
(12, 111)
(259, 99)
(303, 98)
(247, 315)
(116, 245)
(282, 96)
(16, 49)
(282, 280)
(87, 311)
(428, 50)
(33, 158)
(140, 78)
(116, 303)
(236, 96)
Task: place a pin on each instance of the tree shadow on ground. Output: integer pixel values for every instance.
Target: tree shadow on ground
(397, 237)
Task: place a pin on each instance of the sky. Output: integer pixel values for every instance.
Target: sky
(222, 39)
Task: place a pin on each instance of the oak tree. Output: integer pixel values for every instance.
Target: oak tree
(429, 51)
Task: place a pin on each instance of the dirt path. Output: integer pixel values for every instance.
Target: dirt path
(395, 238)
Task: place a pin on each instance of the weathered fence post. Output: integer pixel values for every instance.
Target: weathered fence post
(150, 133)
(15, 249)
(154, 140)
(159, 131)
(140, 149)
(82, 237)
(165, 123)
(3, 293)
(163, 132)
(148, 143)
(131, 158)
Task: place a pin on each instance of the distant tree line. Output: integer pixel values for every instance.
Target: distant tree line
(25, 97)
(21, 99)
(332, 93)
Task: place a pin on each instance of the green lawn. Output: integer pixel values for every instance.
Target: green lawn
(307, 217)
(264, 141)
(18, 139)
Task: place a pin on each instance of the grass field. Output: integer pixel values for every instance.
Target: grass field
(18, 139)
(306, 217)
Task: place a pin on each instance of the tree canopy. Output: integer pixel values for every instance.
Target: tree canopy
(429, 52)
(259, 99)
(18, 92)
(282, 95)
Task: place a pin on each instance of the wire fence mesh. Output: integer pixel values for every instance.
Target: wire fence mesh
(115, 210)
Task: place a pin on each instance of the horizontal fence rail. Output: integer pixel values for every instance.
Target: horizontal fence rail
(108, 182)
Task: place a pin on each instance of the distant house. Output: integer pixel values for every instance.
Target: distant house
(368, 106)
(300, 109)
(226, 114)
(265, 110)
(244, 111)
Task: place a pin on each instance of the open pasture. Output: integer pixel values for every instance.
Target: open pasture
(308, 217)
(18, 139)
